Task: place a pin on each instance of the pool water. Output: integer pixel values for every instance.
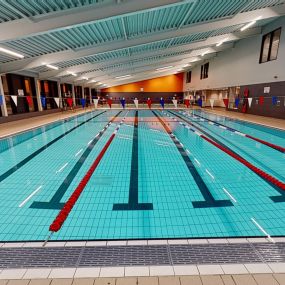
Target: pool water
(150, 184)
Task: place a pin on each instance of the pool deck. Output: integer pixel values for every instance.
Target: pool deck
(267, 269)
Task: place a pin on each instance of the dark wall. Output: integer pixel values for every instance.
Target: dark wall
(267, 109)
(16, 82)
(49, 90)
(143, 96)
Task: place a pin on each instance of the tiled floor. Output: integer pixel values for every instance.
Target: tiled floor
(238, 279)
(227, 274)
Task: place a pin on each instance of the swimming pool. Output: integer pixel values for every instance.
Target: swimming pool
(163, 174)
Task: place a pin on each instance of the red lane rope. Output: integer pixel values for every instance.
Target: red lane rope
(258, 171)
(64, 212)
(280, 148)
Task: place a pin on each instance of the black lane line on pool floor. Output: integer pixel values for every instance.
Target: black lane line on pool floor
(276, 199)
(55, 203)
(210, 201)
(133, 203)
(41, 149)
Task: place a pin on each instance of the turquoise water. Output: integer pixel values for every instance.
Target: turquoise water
(170, 190)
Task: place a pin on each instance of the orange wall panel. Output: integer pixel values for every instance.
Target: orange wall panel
(170, 83)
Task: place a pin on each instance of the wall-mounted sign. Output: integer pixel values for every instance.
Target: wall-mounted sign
(20, 92)
(267, 89)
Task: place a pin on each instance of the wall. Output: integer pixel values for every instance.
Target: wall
(170, 83)
(240, 65)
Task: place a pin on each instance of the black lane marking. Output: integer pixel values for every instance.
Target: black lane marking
(55, 203)
(34, 154)
(210, 201)
(133, 203)
(276, 199)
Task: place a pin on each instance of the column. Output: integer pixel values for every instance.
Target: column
(82, 90)
(73, 95)
(90, 96)
(59, 94)
(3, 106)
(38, 94)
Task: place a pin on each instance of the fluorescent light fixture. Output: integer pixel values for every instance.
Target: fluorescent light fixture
(72, 73)
(123, 76)
(93, 81)
(178, 70)
(205, 52)
(221, 42)
(11, 52)
(193, 59)
(99, 82)
(163, 68)
(186, 65)
(85, 78)
(52, 66)
(250, 24)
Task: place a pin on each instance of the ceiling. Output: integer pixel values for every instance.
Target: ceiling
(99, 40)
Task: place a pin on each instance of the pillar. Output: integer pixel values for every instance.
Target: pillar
(59, 94)
(3, 106)
(38, 94)
(73, 95)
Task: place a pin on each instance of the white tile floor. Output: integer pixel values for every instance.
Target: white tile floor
(210, 269)
(112, 272)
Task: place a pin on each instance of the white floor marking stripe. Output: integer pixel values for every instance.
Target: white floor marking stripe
(210, 174)
(231, 196)
(79, 152)
(197, 161)
(188, 151)
(62, 168)
(29, 197)
(262, 230)
(124, 138)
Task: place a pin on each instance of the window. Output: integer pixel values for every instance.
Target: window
(204, 71)
(270, 45)
(188, 76)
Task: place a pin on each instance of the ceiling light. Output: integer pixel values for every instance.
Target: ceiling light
(85, 78)
(52, 66)
(123, 76)
(221, 42)
(250, 24)
(163, 68)
(193, 59)
(11, 52)
(72, 73)
(186, 65)
(99, 82)
(204, 53)
(92, 81)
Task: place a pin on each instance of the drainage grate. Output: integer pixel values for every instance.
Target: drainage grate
(145, 255)
(125, 256)
(273, 253)
(213, 254)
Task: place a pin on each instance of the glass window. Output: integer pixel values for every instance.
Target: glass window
(275, 44)
(270, 46)
(188, 76)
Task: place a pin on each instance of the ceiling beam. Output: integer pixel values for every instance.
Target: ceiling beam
(192, 46)
(78, 16)
(30, 63)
